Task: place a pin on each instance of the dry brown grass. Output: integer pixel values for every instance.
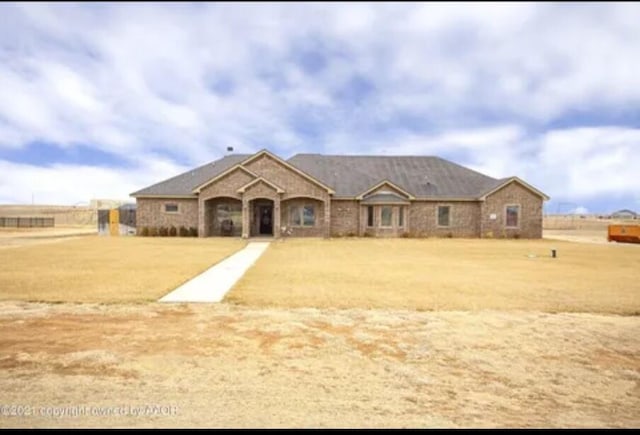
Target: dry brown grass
(107, 269)
(227, 366)
(445, 274)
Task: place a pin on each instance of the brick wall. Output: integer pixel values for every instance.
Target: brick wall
(344, 218)
(464, 219)
(150, 213)
(529, 220)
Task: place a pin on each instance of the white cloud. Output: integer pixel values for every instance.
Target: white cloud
(71, 184)
(479, 82)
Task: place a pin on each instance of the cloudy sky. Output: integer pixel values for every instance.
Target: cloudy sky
(100, 100)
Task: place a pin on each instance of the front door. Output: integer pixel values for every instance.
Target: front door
(265, 213)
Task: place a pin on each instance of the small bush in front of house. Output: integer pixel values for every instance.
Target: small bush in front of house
(163, 231)
(183, 231)
(153, 231)
(405, 235)
(351, 234)
(193, 232)
(516, 236)
(173, 231)
(144, 232)
(367, 234)
(449, 235)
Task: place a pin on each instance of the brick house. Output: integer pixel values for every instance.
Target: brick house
(331, 196)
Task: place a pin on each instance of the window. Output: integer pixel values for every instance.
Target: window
(444, 213)
(302, 216)
(513, 214)
(295, 220)
(401, 216)
(229, 217)
(386, 212)
(171, 208)
(308, 216)
(370, 216)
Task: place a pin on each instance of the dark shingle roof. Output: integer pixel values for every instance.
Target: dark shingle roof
(421, 176)
(349, 176)
(184, 183)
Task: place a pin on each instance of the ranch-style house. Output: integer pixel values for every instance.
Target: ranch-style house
(263, 195)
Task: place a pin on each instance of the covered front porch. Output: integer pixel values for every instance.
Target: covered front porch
(262, 217)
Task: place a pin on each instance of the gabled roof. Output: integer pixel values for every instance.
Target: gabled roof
(421, 176)
(260, 180)
(289, 166)
(183, 185)
(506, 181)
(237, 167)
(388, 183)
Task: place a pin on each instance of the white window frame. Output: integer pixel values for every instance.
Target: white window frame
(438, 216)
(506, 206)
(390, 218)
(164, 208)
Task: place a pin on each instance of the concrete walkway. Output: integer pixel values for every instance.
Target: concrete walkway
(212, 284)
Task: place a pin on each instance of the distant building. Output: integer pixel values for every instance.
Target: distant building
(624, 214)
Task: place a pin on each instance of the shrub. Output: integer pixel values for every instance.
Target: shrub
(193, 232)
(516, 236)
(144, 232)
(449, 235)
(351, 234)
(153, 231)
(163, 231)
(173, 231)
(367, 234)
(183, 231)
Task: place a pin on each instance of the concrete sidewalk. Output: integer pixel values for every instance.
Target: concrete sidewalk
(212, 284)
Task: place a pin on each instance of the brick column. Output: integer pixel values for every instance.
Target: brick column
(327, 217)
(276, 217)
(245, 218)
(201, 215)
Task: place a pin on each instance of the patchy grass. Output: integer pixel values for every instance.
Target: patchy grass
(228, 366)
(445, 274)
(107, 269)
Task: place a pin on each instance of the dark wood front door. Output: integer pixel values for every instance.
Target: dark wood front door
(266, 219)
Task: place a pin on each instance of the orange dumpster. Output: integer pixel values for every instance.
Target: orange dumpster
(624, 233)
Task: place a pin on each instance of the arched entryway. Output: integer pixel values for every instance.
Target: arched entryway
(261, 217)
(223, 217)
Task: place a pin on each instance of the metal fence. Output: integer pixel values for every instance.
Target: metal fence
(26, 222)
(117, 221)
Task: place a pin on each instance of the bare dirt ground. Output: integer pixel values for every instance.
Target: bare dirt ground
(229, 366)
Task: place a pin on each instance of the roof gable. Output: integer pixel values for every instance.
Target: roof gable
(288, 166)
(382, 184)
(505, 182)
(260, 180)
(229, 171)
